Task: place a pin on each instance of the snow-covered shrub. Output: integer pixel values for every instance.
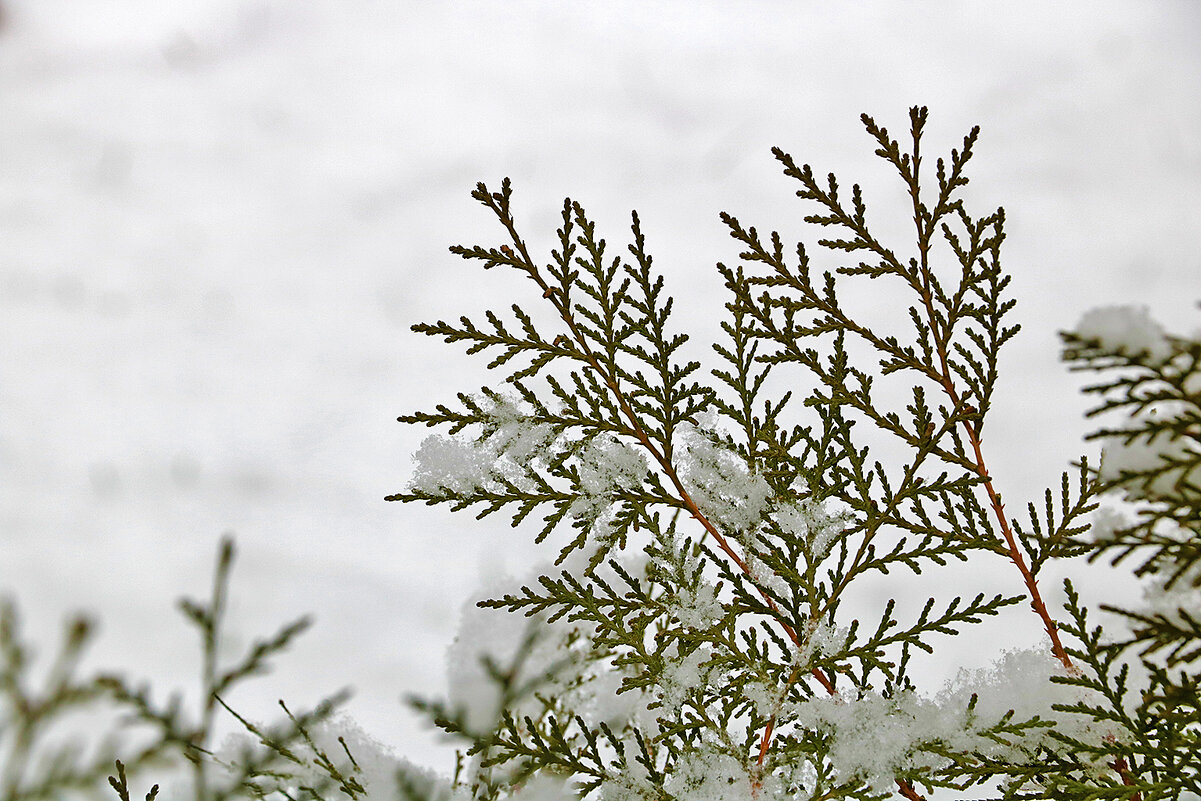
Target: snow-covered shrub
(761, 515)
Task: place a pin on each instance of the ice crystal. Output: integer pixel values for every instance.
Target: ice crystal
(809, 522)
(709, 774)
(694, 603)
(1018, 682)
(511, 433)
(872, 737)
(682, 675)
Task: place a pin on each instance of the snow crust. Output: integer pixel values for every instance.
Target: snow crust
(375, 766)
(1171, 460)
(607, 465)
(508, 448)
(1183, 596)
(556, 665)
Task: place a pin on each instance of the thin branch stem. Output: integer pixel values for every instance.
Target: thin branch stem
(948, 386)
(1122, 769)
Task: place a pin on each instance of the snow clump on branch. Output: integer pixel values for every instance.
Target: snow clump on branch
(719, 481)
(607, 466)
(550, 659)
(1127, 329)
(875, 736)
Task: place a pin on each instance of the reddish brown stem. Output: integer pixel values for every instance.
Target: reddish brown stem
(948, 385)
(1122, 769)
(1015, 553)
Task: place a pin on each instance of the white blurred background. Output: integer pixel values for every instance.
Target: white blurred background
(219, 218)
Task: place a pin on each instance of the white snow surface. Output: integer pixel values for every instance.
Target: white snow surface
(218, 219)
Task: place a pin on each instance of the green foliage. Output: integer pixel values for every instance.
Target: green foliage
(1151, 460)
(703, 635)
(36, 762)
(740, 669)
(280, 761)
(1155, 449)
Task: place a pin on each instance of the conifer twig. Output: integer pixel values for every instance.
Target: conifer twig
(498, 204)
(924, 222)
(682, 641)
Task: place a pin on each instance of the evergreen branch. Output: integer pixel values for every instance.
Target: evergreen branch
(1156, 631)
(555, 749)
(30, 769)
(655, 445)
(733, 687)
(543, 352)
(255, 661)
(1052, 536)
(944, 623)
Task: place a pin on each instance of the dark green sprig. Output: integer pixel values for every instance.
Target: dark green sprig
(30, 766)
(1056, 533)
(119, 784)
(750, 608)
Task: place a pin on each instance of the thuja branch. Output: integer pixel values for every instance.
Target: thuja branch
(498, 203)
(941, 328)
(958, 336)
(975, 299)
(624, 434)
(604, 365)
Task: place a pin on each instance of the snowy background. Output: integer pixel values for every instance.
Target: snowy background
(218, 219)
